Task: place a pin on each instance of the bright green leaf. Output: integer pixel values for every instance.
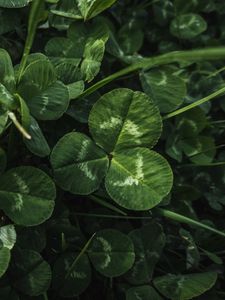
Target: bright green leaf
(8, 240)
(138, 179)
(124, 119)
(93, 55)
(91, 8)
(8, 236)
(14, 3)
(4, 260)
(79, 165)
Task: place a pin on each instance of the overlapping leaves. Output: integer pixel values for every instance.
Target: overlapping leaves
(123, 123)
(82, 52)
(78, 9)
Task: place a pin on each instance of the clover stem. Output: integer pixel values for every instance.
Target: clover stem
(171, 57)
(21, 129)
(107, 204)
(45, 296)
(34, 19)
(113, 216)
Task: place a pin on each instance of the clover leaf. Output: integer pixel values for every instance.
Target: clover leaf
(29, 189)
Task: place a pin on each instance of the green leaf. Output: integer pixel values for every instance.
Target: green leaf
(123, 119)
(23, 190)
(67, 9)
(6, 99)
(213, 257)
(71, 284)
(185, 287)
(3, 160)
(46, 97)
(24, 112)
(130, 38)
(3, 119)
(200, 150)
(191, 123)
(111, 252)
(8, 240)
(75, 89)
(188, 26)
(4, 260)
(14, 3)
(149, 242)
(68, 71)
(7, 76)
(82, 33)
(63, 47)
(80, 109)
(32, 238)
(8, 236)
(93, 55)
(9, 21)
(90, 9)
(79, 165)
(192, 253)
(37, 144)
(144, 292)
(139, 179)
(166, 89)
(32, 273)
(7, 293)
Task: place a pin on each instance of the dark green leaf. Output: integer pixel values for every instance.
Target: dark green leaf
(111, 252)
(29, 189)
(185, 287)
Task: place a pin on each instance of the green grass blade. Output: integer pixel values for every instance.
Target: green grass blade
(182, 219)
(195, 104)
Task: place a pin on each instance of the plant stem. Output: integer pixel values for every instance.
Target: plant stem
(171, 57)
(113, 216)
(182, 219)
(214, 164)
(13, 118)
(34, 19)
(45, 296)
(108, 205)
(79, 256)
(195, 104)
